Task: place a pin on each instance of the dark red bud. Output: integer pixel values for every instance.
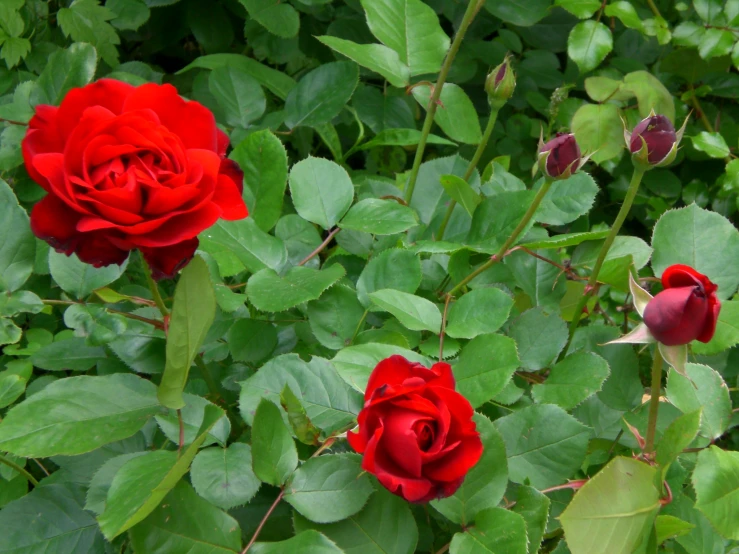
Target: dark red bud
(659, 135)
(501, 73)
(564, 153)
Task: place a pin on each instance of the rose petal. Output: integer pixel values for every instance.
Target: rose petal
(166, 262)
(56, 223)
(676, 315)
(42, 137)
(106, 93)
(709, 324)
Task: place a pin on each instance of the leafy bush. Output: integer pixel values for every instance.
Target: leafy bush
(407, 210)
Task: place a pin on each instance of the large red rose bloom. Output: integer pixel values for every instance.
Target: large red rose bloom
(415, 431)
(129, 167)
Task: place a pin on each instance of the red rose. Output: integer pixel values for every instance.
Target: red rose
(129, 167)
(686, 310)
(657, 132)
(415, 431)
(560, 157)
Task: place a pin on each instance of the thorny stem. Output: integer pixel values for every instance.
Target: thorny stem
(511, 239)
(470, 168)
(156, 295)
(31, 479)
(592, 282)
(320, 248)
(472, 8)
(654, 401)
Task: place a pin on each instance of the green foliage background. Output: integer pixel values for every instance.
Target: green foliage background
(324, 101)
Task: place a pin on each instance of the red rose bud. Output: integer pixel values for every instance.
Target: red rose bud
(560, 157)
(415, 431)
(129, 168)
(500, 84)
(654, 141)
(686, 310)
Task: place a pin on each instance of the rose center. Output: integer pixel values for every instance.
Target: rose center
(425, 434)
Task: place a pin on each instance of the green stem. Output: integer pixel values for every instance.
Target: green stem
(511, 239)
(359, 326)
(620, 218)
(472, 8)
(156, 295)
(31, 479)
(654, 401)
(653, 7)
(470, 168)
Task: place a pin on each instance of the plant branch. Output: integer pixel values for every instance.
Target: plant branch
(592, 282)
(320, 248)
(443, 327)
(359, 326)
(653, 7)
(470, 168)
(574, 485)
(156, 323)
(654, 401)
(156, 295)
(472, 8)
(31, 479)
(511, 239)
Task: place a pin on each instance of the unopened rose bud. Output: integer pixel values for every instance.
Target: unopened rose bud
(500, 84)
(560, 157)
(653, 142)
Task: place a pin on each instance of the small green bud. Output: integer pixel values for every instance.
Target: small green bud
(500, 84)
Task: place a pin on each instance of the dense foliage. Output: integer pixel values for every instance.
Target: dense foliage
(373, 231)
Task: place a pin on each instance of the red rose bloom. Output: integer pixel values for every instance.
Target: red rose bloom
(129, 167)
(415, 431)
(686, 310)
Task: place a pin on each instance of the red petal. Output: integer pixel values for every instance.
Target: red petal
(108, 93)
(231, 169)
(96, 250)
(676, 315)
(223, 143)
(680, 275)
(228, 198)
(56, 223)
(709, 326)
(42, 137)
(166, 262)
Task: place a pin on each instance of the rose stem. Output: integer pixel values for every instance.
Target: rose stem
(511, 239)
(590, 288)
(182, 433)
(443, 327)
(155, 291)
(359, 326)
(317, 453)
(154, 322)
(472, 8)
(654, 401)
(321, 246)
(470, 168)
(19, 469)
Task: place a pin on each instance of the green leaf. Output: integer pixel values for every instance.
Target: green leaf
(192, 419)
(79, 278)
(67, 69)
(193, 312)
(402, 137)
(95, 323)
(670, 527)
(716, 42)
(614, 511)
(278, 18)
(478, 312)
(11, 387)
(544, 443)
(184, 522)
(626, 13)
(680, 237)
(269, 292)
(144, 481)
(588, 44)
(379, 217)
(300, 423)
(495, 219)
(254, 248)
(567, 200)
(224, 476)
(251, 340)
(385, 525)
(14, 49)
(87, 21)
(567, 239)
(703, 388)
(540, 338)
(572, 380)
(543, 282)
(263, 160)
(598, 129)
(375, 57)
(50, 519)
(456, 115)
(54, 422)
(520, 12)
(481, 376)
(103, 478)
(321, 94)
(329, 402)
(601, 88)
(329, 488)
(275, 456)
(712, 144)
(414, 312)
(650, 93)
(676, 438)
(321, 190)
(129, 15)
(10, 333)
(582, 9)
(335, 316)
(17, 243)
(66, 354)
(495, 530)
(239, 94)
(716, 482)
(727, 331)
(412, 29)
(307, 541)
(485, 483)
(391, 269)
(533, 507)
(355, 363)
(461, 192)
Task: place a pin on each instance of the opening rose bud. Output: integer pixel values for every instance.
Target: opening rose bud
(415, 431)
(500, 84)
(658, 135)
(686, 310)
(560, 157)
